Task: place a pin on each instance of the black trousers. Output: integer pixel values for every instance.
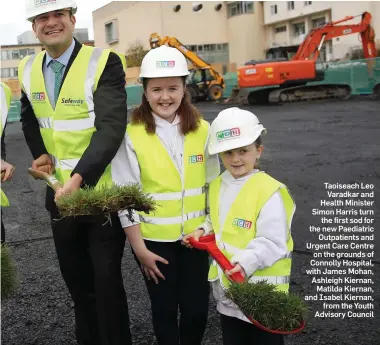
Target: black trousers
(239, 332)
(185, 288)
(89, 253)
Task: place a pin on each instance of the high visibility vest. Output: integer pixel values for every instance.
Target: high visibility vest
(67, 129)
(123, 60)
(240, 227)
(6, 97)
(181, 203)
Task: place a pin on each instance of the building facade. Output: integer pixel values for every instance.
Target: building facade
(233, 32)
(219, 32)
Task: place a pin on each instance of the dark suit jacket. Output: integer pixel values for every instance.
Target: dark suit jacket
(110, 106)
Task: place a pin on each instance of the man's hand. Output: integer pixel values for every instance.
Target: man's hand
(70, 186)
(7, 171)
(43, 163)
(197, 234)
(148, 264)
(236, 269)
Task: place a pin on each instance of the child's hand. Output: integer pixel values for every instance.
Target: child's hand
(236, 269)
(197, 234)
(148, 264)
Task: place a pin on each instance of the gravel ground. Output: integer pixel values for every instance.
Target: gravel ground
(307, 145)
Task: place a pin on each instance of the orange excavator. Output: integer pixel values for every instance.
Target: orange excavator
(204, 81)
(286, 81)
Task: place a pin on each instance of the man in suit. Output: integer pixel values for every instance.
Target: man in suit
(74, 116)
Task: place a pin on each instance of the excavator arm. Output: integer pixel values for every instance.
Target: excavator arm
(310, 47)
(156, 41)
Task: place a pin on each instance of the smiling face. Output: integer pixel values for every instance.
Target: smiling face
(164, 96)
(55, 30)
(241, 161)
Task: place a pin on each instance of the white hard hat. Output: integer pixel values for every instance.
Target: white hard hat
(234, 128)
(163, 62)
(37, 7)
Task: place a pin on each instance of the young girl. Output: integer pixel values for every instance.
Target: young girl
(165, 151)
(250, 214)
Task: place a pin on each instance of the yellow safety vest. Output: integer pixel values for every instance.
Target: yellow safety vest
(67, 129)
(123, 60)
(6, 97)
(181, 202)
(240, 227)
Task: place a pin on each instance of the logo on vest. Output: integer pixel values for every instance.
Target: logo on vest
(196, 159)
(38, 96)
(165, 64)
(242, 223)
(43, 2)
(228, 134)
(74, 102)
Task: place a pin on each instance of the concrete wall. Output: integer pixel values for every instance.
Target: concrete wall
(246, 36)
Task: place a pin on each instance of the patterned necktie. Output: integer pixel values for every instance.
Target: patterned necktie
(57, 67)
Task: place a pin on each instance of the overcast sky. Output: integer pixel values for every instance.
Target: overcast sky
(13, 22)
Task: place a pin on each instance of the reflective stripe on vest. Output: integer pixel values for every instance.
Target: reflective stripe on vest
(5, 98)
(240, 227)
(67, 129)
(181, 202)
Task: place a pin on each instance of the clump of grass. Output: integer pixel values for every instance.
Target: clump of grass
(274, 309)
(8, 273)
(105, 200)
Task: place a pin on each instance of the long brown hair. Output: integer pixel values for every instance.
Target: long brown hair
(190, 116)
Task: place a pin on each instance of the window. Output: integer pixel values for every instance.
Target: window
(213, 47)
(299, 29)
(273, 10)
(9, 72)
(280, 29)
(318, 22)
(111, 32)
(239, 7)
(16, 54)
(4, 55)
(307, 3)
(290, 5)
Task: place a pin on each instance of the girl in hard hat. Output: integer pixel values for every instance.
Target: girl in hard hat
(250, 214)
(165, 151)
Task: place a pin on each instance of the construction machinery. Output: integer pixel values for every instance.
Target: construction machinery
(204, 82)
(287, 81)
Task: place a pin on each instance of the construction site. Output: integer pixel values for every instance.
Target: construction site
(306, 146)
(322, 117)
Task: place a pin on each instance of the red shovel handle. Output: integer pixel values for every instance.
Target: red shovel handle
(208, 243)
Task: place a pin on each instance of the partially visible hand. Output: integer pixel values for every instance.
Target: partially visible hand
(7, 171)
(197, 234)
(69, 187)
(148, 264)
(43, 163)
(236, 269)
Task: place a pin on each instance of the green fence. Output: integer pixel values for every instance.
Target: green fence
(353, 73)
